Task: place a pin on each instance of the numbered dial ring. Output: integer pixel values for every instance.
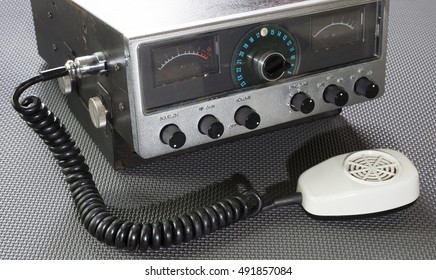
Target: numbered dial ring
(265, 54)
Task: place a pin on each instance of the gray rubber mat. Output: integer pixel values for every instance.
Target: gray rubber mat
(38, 218)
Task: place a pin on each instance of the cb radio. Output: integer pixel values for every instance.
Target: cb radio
(175, 76)
(146, 86)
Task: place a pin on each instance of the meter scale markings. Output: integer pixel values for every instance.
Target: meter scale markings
(203, 56)
(333, 24)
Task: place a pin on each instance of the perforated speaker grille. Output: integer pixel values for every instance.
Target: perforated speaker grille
(372, 166)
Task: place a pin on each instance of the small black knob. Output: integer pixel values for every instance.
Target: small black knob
(366, 87)
(247, 117)
(335, 95)
(173, 136)
(211, 126)
(302, 102)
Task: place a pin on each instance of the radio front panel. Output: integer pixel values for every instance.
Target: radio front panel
(200, 88)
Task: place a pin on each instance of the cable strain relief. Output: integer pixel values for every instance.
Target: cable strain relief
(54, 73)
(295, 198)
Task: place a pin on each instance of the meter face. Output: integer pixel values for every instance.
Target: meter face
(185, 61)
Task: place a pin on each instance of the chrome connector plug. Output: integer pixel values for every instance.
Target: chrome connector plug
(81, 67)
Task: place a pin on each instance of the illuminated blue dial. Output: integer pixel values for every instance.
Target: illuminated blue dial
(265, 54)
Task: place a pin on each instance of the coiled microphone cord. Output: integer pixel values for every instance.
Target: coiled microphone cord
(93, 212)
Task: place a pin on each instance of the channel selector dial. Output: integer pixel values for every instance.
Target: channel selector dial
(303, 103)
(247, 117)
(336, 95)
(209, 125)
(265, 54)
(173, 136)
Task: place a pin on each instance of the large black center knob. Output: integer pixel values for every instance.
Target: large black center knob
(209, 125)
(336, 95)
(366, 87)
(173, 136)
(303, 103)
(247, 117)
(271, 66)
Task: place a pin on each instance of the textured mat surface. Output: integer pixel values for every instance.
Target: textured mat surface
(37, 215)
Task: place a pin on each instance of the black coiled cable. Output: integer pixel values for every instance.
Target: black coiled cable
(90, 205)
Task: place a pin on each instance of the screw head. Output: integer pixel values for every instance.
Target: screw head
(97, 112)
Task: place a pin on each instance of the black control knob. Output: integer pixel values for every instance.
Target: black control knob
(211, 126)
(336, 95)
(173, 136)
(247, 117)
(302, 102)
(271, 66)
(366, 87)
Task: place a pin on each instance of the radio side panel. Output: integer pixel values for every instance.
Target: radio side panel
(65, 31)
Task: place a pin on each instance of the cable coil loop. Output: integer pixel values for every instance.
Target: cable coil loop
(91, 208)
